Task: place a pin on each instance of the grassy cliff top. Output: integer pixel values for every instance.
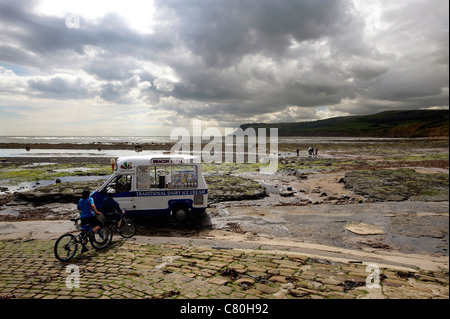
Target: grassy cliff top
(415, 123)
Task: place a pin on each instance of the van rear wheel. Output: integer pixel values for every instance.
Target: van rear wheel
(180, 214)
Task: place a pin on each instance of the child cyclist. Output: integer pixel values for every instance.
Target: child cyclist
(88, 213)
(111, 209)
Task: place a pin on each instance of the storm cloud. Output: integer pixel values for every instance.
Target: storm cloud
(225, 62)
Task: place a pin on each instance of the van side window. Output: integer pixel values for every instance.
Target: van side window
(167, 176)
(152, 177)
(143, 178)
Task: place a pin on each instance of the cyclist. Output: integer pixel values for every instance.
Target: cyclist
(111, 209)
(88, 213)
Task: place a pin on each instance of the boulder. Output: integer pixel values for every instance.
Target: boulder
(363, 229)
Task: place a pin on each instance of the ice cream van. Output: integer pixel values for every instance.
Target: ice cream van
(156, 185)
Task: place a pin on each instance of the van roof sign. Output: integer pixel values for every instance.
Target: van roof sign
(166, 161)
(130, 162)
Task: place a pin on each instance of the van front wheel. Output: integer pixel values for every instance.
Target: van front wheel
(180, 214)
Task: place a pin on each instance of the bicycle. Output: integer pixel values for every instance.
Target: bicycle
(127, 228)
(66, 246)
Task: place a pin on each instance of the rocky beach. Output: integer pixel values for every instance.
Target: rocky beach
(383, 201)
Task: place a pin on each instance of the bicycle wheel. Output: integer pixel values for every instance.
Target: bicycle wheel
(101, 239)
(127, 229)
(65, 247)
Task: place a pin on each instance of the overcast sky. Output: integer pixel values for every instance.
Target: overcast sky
(145, 67)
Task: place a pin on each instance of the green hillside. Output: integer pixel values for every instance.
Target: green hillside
(415, 123)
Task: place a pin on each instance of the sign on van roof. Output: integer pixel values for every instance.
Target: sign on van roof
(155, 159)
(166, 161)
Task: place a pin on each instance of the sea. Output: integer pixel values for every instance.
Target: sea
(35, 152)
